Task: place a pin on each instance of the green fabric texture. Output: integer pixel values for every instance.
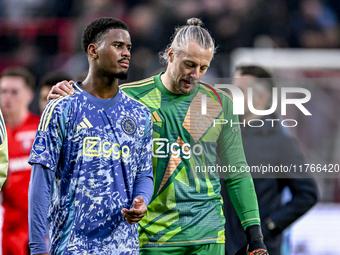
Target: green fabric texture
(216, 249)
(186, 207)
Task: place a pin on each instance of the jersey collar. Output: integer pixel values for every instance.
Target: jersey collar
(105, 103)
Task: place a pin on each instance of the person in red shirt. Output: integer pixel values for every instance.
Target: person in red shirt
(16, 93)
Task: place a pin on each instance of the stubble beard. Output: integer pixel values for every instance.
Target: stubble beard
(177, 86)
(121, 75)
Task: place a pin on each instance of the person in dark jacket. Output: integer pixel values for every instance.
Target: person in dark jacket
(268, 145)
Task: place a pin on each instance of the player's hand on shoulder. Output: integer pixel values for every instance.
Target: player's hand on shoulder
(63, 88)
(137, 211)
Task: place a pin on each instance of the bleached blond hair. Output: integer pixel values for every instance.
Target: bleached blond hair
(192, 31)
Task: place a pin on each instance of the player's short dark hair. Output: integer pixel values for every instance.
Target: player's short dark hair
(258, 72)
(22, 72)
(97, 28)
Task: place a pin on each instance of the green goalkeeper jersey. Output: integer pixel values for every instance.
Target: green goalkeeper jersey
(186, 207)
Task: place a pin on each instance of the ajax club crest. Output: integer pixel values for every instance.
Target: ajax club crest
(128, 125)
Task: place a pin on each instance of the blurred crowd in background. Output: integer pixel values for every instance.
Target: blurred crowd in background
(45, 35)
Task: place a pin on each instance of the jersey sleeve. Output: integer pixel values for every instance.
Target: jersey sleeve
(239, 183)
(3, 151)
(38, 201)
(50, 134)
(143, 185)
(145, 163)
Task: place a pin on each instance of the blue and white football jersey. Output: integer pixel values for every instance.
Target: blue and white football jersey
(96, 148)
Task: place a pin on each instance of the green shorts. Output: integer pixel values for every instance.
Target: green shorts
(202, 249)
